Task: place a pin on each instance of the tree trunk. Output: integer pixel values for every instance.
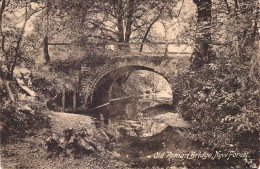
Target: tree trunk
(45, 49)
(166, 49)
(147, 32)
(18, 43)
(120, 24)
(236, 4)
(2, 8)
(129, 23)
(63, 99)
(74, 101)
(7, 87)
(2, 76)
(202, 53)
(46, 32)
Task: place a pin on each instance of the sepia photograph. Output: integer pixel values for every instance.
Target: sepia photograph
(122, 84)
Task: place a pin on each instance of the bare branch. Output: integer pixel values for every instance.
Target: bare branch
(1, 31)
(180, 9)
(148, 30)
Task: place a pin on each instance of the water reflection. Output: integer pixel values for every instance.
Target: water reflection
(134, 114)
(142, 125)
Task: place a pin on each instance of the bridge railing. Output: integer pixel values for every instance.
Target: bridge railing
(138, 48)
(141, 48)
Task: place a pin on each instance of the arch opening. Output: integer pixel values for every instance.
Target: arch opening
(102, 89)
(141, 83)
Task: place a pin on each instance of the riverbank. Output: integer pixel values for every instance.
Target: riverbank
(64, 145)
(30, 151)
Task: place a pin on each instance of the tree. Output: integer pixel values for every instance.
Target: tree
(114, 20)
(233, 22)
(202, 52)
(11, 38)
(120, 19)
(101, 21)
(135, 18)
(247, 13)
(2, 75)
(45, 33)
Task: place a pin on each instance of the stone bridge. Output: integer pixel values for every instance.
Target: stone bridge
(98, 73)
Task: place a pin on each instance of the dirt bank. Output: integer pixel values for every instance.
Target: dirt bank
(30, 152)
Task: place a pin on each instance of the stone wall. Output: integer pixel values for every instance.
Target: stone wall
(93, 69)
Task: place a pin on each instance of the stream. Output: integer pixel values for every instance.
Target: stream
(143, 126)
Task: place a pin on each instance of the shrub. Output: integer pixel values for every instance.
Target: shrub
(72, 143)
(221, 103)
(20, 119)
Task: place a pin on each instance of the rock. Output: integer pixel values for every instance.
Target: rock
(90, 148)
(146, 127)
(23, 79)
(48, 139)
(26, 108)
(171, 119)
(25, 88)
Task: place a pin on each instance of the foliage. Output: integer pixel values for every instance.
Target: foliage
(221, 99)
(222, 104)
(54, 77)
(20, 119)
(14, 17)
(91, 21)
(72, 143)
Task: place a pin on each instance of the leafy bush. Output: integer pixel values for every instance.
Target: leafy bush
(72, 143)
(20, 119)
(48, 78)
(221, 102)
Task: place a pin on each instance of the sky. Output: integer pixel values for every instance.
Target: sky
(174, 27)
(187, 10)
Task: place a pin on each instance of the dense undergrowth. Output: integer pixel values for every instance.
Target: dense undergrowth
(221, 102)
(21, 119)
(25, 115)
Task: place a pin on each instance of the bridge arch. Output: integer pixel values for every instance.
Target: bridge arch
(102, 87)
